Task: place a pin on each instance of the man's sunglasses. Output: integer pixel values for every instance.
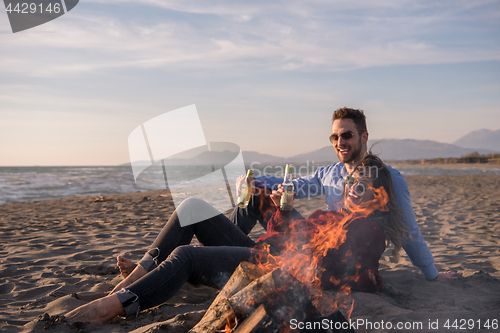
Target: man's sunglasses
(346, 136)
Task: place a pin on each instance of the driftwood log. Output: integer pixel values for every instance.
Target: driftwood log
(245, 301)
(254, 302)
(254, 321)
(221, 311)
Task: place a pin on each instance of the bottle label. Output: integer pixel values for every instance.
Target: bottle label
(286, 202)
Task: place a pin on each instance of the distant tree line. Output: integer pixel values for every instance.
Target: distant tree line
(473, 157)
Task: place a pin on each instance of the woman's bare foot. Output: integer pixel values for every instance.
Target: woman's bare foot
(125, 265)
(135, 275)
(100, 311)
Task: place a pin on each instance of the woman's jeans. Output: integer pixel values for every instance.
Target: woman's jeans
(170, 262)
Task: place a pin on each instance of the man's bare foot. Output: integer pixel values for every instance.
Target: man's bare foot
(100, 311)
(125, 265)
(135, 275)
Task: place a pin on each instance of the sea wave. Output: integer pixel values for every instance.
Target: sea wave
(22, 184)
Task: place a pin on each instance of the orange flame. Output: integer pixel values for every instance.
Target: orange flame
(303, 256)
(229, 328)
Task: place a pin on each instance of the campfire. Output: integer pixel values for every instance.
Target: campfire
(279, 290)
(253, 301)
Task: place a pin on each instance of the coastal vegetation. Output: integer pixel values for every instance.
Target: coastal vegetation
(471, 158)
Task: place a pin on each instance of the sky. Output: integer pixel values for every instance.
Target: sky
(265, 75)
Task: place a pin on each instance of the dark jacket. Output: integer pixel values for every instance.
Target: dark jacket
(352, 246)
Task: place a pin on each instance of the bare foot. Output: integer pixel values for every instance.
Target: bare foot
(125, 265)
(135, 275)
(100, 311)
(448, 275)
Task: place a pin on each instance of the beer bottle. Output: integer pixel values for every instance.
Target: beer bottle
(246, 190)
(286, 202)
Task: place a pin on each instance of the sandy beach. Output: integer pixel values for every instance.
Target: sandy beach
(60, 254)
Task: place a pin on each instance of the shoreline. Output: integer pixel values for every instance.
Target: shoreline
(488, 169)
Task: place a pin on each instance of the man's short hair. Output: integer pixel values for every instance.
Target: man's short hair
(358, 116)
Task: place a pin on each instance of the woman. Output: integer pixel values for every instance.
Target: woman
(345, 247)
(170, 262)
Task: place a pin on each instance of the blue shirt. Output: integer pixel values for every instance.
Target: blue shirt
(329, 181)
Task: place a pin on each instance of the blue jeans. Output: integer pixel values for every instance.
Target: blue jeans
(171, 262)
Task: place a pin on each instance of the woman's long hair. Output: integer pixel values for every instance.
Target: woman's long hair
(389, 221)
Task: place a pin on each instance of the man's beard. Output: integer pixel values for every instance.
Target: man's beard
(354, 154)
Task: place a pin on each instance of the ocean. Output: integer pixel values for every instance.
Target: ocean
(23, 184)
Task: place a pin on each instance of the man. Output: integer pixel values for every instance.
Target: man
(349, 138)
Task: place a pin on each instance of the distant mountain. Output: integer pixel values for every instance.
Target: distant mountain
(481, 139)
(409, 149)
(254, 157)
(325, 154)
(390, 149)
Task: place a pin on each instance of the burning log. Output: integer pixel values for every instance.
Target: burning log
(253, 322)
(220, 312)
(220, 315)
(244, 274)
(270, 300)
(258, 291)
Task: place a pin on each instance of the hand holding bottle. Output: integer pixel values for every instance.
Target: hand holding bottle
(276, 196)
(245, 187)
(241, 181)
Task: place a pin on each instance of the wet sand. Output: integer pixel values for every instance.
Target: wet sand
(59, 254)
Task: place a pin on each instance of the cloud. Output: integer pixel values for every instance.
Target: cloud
(220, 8)
(278, 36)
